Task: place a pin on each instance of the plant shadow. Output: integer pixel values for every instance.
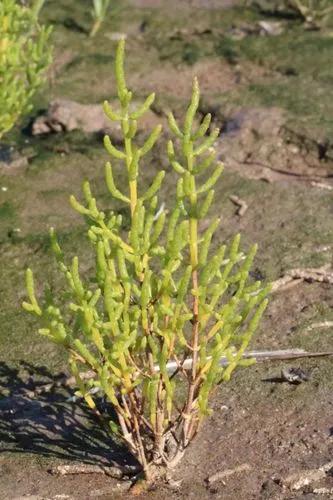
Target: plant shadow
(38, 416)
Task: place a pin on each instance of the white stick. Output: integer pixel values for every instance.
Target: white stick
(258, 356)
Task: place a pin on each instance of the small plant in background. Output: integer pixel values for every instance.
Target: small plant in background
(25, 54)
(99, 11)
(163, 307)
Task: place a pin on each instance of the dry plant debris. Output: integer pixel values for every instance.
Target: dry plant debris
(224, 474)
(241, 204)
(322, 185)
(117, 472)
(299, 480)
(294, 276)
(321, 324)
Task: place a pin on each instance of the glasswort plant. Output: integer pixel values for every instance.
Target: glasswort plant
(165, 306)
(25, 54)
(98, 13)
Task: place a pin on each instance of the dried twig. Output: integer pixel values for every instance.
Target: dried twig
(259, 356)
(286, 172)
(298, 480)
(321, 275)
(224, 474)
(284, 283)
(322, 185)
(321, 324)
(241, 204)
(117, 472)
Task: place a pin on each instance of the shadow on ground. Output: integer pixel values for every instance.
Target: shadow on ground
(38, 416)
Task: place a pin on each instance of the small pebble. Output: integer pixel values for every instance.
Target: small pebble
(294, 375)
